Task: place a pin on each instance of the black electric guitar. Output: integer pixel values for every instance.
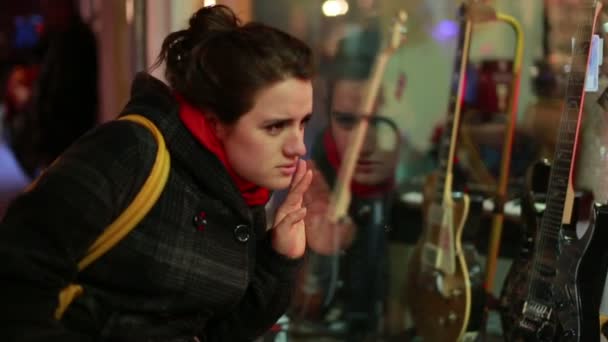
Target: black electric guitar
(439, 284)
(547, 295)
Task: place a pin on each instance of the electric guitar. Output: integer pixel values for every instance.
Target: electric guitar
(439, 287)
(550, 293)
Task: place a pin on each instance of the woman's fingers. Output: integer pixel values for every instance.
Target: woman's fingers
(289, 236)
(303, 181)
(295, 195)
(292, 218)
(327, 238)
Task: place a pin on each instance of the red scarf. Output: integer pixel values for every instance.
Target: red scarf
(359, 190)
(197, 123)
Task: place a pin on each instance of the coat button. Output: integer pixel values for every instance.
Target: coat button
(200, 221)
(241, 233)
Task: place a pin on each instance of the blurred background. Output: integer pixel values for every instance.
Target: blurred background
(67, 65)
(112, 40)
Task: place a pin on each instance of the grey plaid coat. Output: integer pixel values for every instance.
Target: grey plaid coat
(198, 265)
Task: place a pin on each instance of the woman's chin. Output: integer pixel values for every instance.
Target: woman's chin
(369, 179)
(277, 184)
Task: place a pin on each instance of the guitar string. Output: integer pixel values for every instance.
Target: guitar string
(446, 139)
(553, 203)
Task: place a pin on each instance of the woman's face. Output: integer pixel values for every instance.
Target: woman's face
(379, 152)
(264, 145)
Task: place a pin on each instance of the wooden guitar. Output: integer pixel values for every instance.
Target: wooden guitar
(439, 289)
(552, 291)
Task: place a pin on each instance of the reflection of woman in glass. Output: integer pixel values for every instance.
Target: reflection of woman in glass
(349, 293)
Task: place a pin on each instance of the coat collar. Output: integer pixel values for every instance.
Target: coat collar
(153, 99)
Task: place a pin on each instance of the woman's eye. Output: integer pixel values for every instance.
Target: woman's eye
(275, 129)
(304, 123)
(346, 121)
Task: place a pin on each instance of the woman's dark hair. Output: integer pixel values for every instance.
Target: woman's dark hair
(353, 61)
(219, 65)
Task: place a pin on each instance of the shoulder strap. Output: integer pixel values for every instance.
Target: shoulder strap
(142, 203)
(130, 217)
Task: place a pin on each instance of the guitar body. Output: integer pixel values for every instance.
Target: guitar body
(575, 290)
(579, 284)
(440, 303)
(515, 286)
(442, 269)
(515, 291)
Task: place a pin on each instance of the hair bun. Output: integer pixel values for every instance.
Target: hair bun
(213, 19)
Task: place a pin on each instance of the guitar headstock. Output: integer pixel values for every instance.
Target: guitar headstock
(398, 32)
(479, 11)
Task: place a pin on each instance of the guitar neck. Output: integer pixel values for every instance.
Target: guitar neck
(560, 194)
(449, 138)
(341, 194)
(340, 198)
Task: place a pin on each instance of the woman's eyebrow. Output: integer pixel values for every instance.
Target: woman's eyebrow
(284, 120)
(277, 121)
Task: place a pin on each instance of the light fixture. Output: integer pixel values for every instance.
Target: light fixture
(334, 8)
(209, 2)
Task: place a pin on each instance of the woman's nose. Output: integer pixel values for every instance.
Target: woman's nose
(370, 141)
(295, 146)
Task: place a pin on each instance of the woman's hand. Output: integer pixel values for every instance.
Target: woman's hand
(289, 233)
(322, 236)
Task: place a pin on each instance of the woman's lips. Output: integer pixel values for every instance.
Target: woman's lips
(366, 162)
(366, 166)
(288, 170)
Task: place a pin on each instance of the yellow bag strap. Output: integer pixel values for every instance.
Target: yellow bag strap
(130, 217)
(142, 203)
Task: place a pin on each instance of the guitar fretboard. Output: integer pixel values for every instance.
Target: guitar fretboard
(565, 149)
(452, 124)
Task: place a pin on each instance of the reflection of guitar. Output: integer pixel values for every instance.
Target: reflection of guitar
(341, 195)
(439, 294)
(328, 210)
(551, 292)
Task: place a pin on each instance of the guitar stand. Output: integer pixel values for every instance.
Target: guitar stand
(501, 191)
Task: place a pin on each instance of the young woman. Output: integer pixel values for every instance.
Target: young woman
(201, 265)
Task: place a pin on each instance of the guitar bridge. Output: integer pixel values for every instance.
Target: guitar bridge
(537, 311)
